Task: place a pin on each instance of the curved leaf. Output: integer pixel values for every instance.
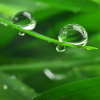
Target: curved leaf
(82, 90)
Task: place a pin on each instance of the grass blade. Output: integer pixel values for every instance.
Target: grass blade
(44, 37)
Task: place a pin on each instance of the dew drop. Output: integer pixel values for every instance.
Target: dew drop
(24, 19)
(73, 34)
(5, 87)
(21, 33)
(60, 48)
(3, 23)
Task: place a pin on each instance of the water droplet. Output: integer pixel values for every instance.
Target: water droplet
(13, 77)
(5, 87)
(21, 33)
(24, 19)
(53, 76)
(73, 34)
(60, 48)
(3, 23)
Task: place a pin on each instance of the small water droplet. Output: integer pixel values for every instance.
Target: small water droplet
(3, 23)
(73, 34)
(13, 77)
(60, 48)
(21, 33)
(5, 87)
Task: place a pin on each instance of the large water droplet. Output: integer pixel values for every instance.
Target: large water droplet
(5, 87)
(73, 34)
(24, 20)
(60, 48)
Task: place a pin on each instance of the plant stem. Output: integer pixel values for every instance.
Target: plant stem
(35, 34)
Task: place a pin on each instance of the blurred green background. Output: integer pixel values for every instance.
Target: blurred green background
(35, 63)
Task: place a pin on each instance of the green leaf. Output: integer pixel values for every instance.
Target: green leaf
(14, 6)
(7, 34)
(88, 20)
(44, 37)
(12, 89)
(73, 5)
(97, 1)
(9, 10)
(37, 65)
(82, 90)
(72, 70)
(43, 14)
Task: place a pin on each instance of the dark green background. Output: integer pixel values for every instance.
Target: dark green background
(28, 57)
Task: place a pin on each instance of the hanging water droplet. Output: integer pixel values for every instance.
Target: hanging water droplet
(5, 87)
(73, 34)
(60, 48)
(21, 33)
(24, 19)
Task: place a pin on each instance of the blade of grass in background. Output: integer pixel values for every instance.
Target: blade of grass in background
(12, 89)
